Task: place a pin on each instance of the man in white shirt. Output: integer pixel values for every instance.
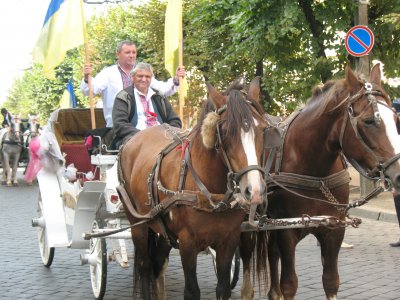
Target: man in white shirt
(117, 77)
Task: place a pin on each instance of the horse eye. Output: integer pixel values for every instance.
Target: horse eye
(369, 122)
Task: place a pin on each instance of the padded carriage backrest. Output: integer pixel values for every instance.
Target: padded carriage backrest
(70, 130)
(73, 123)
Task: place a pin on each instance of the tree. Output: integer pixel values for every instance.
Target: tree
(292, 45)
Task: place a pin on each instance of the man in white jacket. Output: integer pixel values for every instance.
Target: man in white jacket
(117, 77)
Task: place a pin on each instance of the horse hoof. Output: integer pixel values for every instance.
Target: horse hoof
(9, 184)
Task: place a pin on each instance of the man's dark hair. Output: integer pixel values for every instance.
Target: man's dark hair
(4, 111)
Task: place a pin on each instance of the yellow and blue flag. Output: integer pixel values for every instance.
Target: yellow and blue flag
(172, 38)
(68, 99)
(172, 35)
(63, 29)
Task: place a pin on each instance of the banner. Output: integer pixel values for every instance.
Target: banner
(62, 30)
(172, 39)
(68, 99)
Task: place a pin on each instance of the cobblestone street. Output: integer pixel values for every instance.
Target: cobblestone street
(368, 271)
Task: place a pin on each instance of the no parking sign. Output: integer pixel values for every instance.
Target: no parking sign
(359, 40)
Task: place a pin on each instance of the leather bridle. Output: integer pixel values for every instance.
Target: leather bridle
(233, 178)
(381, 165)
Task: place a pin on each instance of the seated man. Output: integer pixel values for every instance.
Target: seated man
(138, 106)
(6, 118)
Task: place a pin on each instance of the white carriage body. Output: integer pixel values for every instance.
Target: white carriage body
(69, 208)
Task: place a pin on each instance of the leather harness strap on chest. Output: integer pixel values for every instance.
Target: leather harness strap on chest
(196, 199)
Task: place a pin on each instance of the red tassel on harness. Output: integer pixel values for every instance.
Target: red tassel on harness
(183, 148)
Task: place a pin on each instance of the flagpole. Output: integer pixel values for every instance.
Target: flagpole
(87, 61)
(180, 60)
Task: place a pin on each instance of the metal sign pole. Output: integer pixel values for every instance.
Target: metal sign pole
(362, 65)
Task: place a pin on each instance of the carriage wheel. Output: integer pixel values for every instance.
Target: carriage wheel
(98, 263)
(46, 252)
(235, 267)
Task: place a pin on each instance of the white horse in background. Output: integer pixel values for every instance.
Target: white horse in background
(10, 150)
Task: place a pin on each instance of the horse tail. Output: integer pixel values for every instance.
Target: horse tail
(260, 261)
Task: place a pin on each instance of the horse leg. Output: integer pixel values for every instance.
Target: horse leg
(273, 258)
(188, 252)
(6, 166)
(143, 271)
(160, 259)
(15, 168)
(225, 255)
(287, 241)
(246, 247)
(330, 246)
(3, 177)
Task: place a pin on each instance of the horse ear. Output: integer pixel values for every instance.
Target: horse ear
(376, 74)
(352, 80)
(216, 97)
(254, 89)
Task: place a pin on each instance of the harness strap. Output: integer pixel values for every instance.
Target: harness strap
(181, 198)
(331, 201)
(284, 126)
(8, 142)
(196, 177)
(305, 182)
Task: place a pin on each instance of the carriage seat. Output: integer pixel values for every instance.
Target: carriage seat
(70, 129)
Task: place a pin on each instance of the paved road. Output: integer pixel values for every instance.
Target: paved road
(368, 271)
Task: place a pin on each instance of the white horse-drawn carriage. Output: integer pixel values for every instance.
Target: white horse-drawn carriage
(79, 197)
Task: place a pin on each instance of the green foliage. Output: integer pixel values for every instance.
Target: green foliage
(288, 43)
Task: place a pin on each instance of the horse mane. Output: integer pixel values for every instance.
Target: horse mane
(238, 112)
(239, 116)
(337, 90)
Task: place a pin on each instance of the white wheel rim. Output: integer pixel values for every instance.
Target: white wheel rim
(42, 237)
(96, 270)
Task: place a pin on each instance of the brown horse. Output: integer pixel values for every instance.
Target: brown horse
(187, 198)
(351, 117)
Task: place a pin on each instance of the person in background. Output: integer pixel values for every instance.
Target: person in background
(396, 197)
(6, 118)
(113, 79)
(139, 106)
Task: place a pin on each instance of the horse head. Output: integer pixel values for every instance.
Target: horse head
(33, 125)
(235, 130)
(368, 135)
(15, 128)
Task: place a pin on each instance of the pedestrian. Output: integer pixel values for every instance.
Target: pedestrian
(6, 118)
(396, 197)
(139, 106)
(113, 79)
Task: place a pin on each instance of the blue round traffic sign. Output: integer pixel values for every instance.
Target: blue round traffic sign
(359, 40)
